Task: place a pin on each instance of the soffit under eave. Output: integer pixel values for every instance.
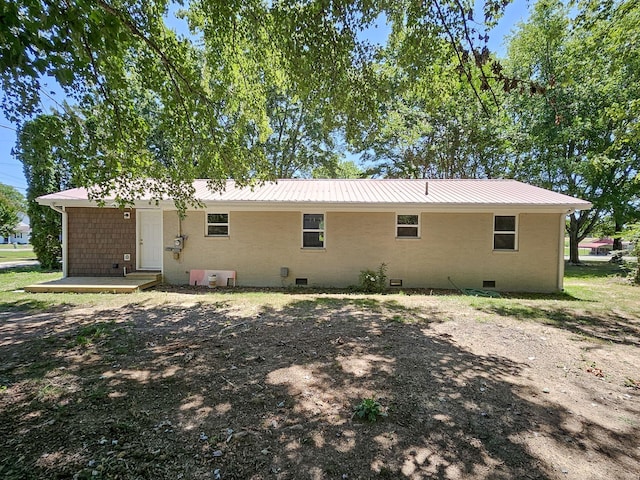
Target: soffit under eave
(385, 207)
(335, 207)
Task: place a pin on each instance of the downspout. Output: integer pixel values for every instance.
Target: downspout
(563, 222)
(62, 211)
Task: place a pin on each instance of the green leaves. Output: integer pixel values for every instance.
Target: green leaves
(11, 204)
(369, 409)
(43, 149)
(436, 127)
(151, 104)
(576, 136)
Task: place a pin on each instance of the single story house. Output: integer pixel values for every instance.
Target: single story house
(22, 235)
(492, 234)
(600, 246)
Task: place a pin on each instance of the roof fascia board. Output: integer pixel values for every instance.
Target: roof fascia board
(334, 206)
(386, 207)
(139, 204)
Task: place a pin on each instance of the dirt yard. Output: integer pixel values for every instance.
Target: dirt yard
(193, 385)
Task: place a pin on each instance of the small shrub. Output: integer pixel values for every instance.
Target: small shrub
(374, 281)
(368, 409)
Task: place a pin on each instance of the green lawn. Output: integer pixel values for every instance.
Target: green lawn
(21, 252)
(598, 303)
(596, 287)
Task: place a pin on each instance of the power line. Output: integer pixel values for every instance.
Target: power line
(14, 186)
(12, 177)
(8, 127)
(52, 99)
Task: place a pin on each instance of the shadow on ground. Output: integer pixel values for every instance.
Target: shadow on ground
(208, 392)
(607, 326)
(595, 269)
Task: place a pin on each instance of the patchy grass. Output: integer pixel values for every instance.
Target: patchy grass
(598, 303)
(231, 384)
(17, 278)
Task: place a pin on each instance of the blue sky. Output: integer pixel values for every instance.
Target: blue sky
(11, 168)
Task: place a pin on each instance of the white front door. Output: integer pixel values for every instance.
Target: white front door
(149, 239)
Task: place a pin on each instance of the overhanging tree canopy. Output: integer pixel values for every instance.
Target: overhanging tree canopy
(210, 88)
(581, 136)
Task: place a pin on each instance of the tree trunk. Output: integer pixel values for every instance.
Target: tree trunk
(574, 253)
(617, 241)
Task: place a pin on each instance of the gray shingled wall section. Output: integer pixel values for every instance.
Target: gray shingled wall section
(98, 238)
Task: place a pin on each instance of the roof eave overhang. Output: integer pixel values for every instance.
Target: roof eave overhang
(334, 206)
(390, 207)
(53, 202)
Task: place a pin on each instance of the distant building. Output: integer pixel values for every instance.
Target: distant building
(21, 237)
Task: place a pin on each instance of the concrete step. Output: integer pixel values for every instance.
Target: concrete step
(142, 274)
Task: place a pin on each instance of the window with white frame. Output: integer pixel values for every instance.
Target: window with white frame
(407, 226)
(505, 232)
(217, 224)
(313, 230)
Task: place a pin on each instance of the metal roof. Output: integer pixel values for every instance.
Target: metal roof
(367, 192)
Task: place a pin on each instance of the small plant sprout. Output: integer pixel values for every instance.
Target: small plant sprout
(631, 383)
(369, 409)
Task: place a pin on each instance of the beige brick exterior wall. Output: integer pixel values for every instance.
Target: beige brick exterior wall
(456, 245)
(97, 239)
